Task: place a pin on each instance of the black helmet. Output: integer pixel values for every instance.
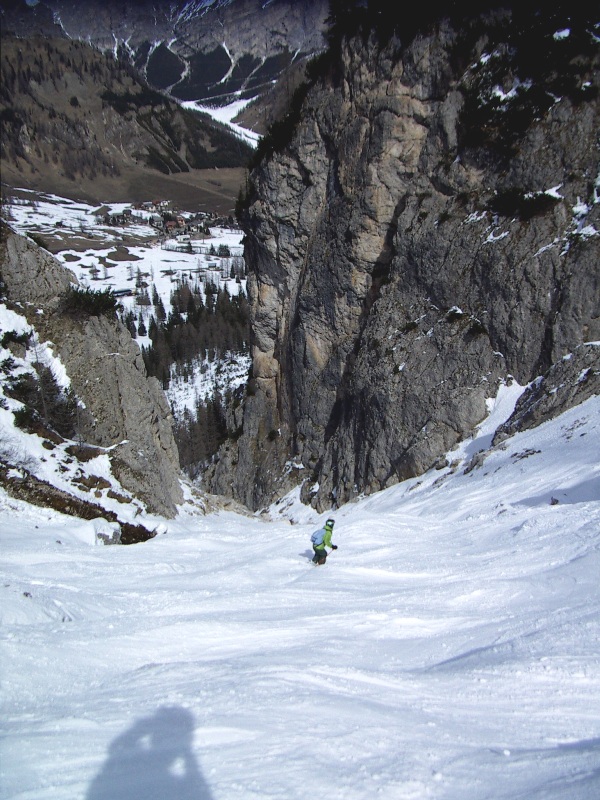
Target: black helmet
(330, 523)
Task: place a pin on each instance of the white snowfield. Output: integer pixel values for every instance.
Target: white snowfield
(449, 649)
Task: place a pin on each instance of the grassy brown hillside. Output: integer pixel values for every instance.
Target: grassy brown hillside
(82, 124)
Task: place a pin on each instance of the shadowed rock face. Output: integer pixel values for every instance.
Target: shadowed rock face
(124, 409)
(399, 271)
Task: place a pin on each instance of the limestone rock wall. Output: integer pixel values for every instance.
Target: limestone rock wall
(32, 275)
(390, 288)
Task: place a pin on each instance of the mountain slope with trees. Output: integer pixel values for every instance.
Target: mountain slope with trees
(75, 118)
(211, 53)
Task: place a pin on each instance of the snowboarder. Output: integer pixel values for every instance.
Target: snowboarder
(322, 539)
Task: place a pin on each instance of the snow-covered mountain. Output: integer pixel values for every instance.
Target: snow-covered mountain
(448, 649)
(207, 51)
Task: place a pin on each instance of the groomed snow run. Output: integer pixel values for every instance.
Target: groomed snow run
(449, 649)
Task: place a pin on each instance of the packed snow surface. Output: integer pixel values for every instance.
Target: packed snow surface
(449, 649)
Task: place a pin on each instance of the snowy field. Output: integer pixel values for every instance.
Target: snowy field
(449, 649)
(111, 258)
(120, 257)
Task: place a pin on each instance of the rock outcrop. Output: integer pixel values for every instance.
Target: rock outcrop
(569, 382)
(427, 230)
(124, 410)
(32, 276)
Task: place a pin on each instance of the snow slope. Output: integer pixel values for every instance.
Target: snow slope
(225, 115)
(448, 649)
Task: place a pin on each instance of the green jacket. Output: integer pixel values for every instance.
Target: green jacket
(326, 538)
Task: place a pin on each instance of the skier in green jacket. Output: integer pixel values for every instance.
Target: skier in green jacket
(322, 539)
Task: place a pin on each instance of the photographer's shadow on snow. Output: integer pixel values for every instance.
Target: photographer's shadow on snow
(152, 760)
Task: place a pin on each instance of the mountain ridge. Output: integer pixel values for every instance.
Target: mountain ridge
(208, 52)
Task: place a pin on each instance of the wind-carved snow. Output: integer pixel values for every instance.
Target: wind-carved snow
(43, 353)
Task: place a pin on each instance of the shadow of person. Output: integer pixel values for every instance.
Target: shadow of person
(152, 760)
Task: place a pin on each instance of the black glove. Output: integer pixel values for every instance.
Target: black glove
(334, 546)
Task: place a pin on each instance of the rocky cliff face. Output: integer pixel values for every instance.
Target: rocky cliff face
(123, 409)
(431, 228)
